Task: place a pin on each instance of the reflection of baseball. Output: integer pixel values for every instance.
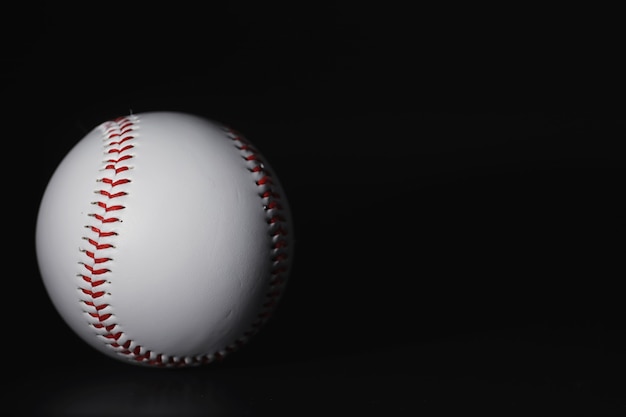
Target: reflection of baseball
(164, 239)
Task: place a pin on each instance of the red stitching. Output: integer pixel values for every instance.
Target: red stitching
(97, 245)
(111, 195)
(277, 226)
(122, 158)
(115, 183)
(119, 142)
(96, 264)
(124, 149)
(103, 219)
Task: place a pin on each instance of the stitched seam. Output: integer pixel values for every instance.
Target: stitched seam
(118, 138)
(277, 223)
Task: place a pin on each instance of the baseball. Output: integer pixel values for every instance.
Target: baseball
(164, 239)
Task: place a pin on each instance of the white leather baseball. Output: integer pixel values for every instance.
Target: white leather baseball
(164, 239)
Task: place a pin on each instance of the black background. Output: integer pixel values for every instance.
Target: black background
(455, 176)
